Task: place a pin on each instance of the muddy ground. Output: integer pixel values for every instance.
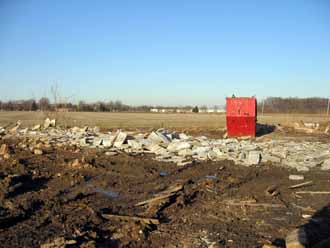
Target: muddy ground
(55, 201)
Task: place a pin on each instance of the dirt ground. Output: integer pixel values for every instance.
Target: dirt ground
(53, 200)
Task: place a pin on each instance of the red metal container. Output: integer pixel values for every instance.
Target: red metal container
(241, 116)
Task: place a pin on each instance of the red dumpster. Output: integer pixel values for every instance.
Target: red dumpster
(241, 116)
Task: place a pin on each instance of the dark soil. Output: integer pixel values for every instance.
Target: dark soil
(44, 198)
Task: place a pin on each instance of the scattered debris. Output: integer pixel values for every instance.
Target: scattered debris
(314, 192)
(147, 221)
(4, 149)
(301, 185)
(162, 195)
(58, 243)
(296, 177)
(38, 152)
(184, 150)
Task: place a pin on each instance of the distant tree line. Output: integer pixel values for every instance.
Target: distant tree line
(269, 105)
(44, 104)
(311, 105)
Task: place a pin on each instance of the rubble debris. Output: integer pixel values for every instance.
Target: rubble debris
(2, 131)
(58, 243)
(14, 129)
(4, 149)
(296, 177)
(301, 185)
(183, 149)
(147, 221)
(38, 152)
(36, 127)
(120, 139)
(327, 129)
(254, 157)
(49, 123)
(162, 195)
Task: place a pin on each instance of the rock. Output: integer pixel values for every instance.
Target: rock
(270, 158)
(53, 123)
(185, 152)
(75, 163)
(97, 141)
(254, 158)
(183, 136)
(47, 123)
(325, 165)
(36, 127)
(121, 138)
(38, 152)
(327, 129)
(134, 144)
(212, 155)
(14, 129)
(157, 149)
(296, 239)
(302, 168)
(111, 153)
(177, 146)
(4, 149)
(108, 141)
(158, 137)
(296, 177)
(2, 131)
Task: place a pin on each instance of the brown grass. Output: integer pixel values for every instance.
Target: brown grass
(148, 120)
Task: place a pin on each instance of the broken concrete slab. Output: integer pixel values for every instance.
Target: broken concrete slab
(254, 158)
(177, 146)
(325, 165)
(47, 123)
(120, 139)
(4, 149)
(134, 144)
(296, 177)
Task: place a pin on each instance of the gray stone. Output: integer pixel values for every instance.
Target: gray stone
(36, 127)
(326, 165)
(121, 138)
(47, 123)
(108, 141)
(2, 131)
(134, 144)
(185, 152)
(177, 146)
(254, 158)
(158, 137)
(38, 151)
(296, 177)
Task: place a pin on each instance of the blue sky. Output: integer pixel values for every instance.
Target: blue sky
(164, 52)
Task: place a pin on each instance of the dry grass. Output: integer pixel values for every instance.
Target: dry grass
(147, 120)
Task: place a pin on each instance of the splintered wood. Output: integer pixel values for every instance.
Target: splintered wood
(147, 221)
(162, 195)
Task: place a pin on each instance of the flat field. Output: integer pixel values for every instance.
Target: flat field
(148, 120)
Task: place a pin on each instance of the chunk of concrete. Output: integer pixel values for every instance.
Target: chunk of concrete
(108, 142)
(158, 137)
(38, 152)
(177, 146)
(325, 165)
(3, 149)
(296, 177)
(121, 138)
(36, 127)
(185, 152)
(254, 158)
(134, 144)
(2, 131)
(47, 123)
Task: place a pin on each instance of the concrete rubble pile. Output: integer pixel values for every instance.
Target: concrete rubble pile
(183, 149)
